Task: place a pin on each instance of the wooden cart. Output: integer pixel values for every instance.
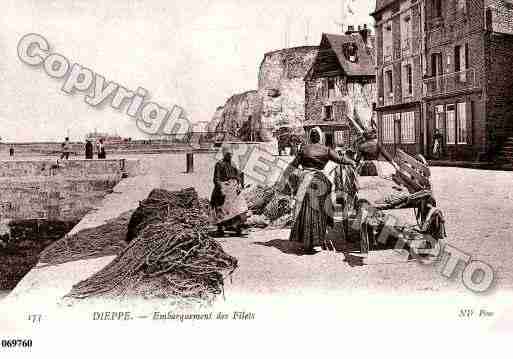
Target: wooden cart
(412, 174)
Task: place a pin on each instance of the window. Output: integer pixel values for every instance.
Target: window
(331, 83)
(389, 82)
(408, 127)
(387, 42)
(406, 32)
(436, 64)
(388, 128)
(461, 62)
(439, 117)
(462, 122)
(466, 56)
(409, 79)
(331, 87)
(457, 58)
(450, 122)
(328, 112)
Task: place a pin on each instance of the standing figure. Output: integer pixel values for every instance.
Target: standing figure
(100, 147)
(66, 148)
(437, 143)
(11, 151)
(229, 205)
(89, 150)
(314, 210)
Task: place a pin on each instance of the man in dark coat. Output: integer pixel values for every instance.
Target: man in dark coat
(89, 150)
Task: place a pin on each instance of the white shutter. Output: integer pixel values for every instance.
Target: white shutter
(463, 74)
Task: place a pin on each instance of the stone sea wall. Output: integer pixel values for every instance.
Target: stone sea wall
(64, 191)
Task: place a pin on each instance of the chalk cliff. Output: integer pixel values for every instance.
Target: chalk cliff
(279, 99)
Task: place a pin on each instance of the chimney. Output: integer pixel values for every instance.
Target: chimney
(364, 33)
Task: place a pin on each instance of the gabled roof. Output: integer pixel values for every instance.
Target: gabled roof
(363, 67)
(365, 64)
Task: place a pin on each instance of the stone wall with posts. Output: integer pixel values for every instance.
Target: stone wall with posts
(65, 191)
(69, 168)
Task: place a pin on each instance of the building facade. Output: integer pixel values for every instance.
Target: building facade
(341, 85)
(466, 47)
(399, 75)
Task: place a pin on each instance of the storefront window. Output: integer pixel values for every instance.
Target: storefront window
(388, 128)
(408, 127)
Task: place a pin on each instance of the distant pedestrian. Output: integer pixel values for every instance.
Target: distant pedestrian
(66, 148)
(11, 151)
(101, 150)
(437, 143)
(88, 150)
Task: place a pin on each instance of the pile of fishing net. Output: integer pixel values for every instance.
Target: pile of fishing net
(105, 240)
(268, 206)
(159, 206)
(170, 254)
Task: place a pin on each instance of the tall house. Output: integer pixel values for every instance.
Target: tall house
(455, 76)
(468, 82)
(340, 86)
(399, 74)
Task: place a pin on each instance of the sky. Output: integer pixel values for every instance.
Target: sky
(193, 54)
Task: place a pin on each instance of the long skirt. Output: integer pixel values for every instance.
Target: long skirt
(313, 211)
(233, 207)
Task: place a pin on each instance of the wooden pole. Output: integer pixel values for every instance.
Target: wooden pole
(189, 162)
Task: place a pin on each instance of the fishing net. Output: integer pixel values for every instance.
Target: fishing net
(279, 206)
(107, 239)
(171, 255)
(159, 206)
(257, 197)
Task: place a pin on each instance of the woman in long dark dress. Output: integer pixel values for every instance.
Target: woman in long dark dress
(229, 206)
(314, 209)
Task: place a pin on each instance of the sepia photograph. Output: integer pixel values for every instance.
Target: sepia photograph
(248, 178)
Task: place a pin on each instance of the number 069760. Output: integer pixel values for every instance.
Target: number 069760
(16, 343)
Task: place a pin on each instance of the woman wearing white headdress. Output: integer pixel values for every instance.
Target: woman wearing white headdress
(314, 209)
(229, 206)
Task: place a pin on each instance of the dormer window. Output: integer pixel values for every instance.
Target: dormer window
(350, 51)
